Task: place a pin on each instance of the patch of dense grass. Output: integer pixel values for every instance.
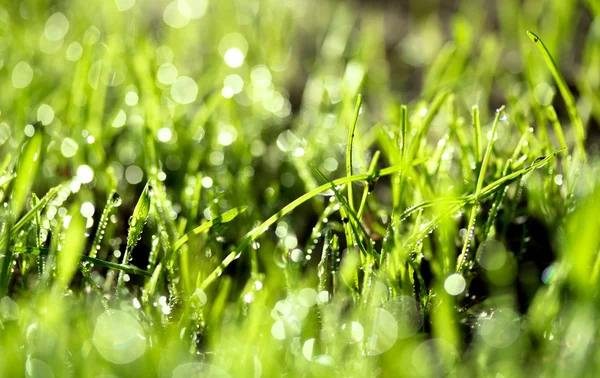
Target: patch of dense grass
(266, 188)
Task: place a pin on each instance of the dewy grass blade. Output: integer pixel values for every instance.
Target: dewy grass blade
(26, 171)
(257, 231)
(106, 264)
(227, 216)
(488, 150)
(31, 213)
(349, 149)
(136, 227)
(114, 201)
(354, 221)
(473, 216)
(565, 92)
(88, 278)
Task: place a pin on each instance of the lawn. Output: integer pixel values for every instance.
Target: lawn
(299, 188)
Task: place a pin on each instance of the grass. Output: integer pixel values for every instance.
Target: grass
(279, 188)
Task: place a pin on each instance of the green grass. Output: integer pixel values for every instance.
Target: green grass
(285, 188)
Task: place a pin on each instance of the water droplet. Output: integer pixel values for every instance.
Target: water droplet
(536, 161)
(558, 180)
(455, 284)
(116, 200)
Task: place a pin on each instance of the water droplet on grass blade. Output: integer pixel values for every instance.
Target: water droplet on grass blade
(116, 200)
(538, 160)
(327, 193)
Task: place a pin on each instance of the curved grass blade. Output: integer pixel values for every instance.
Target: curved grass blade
(564, 91)
(354, 223)
(493, 187)
(488, 191)
(127, 268)
(426, 204)
(257, 231)
(227, 216)
(31, 213)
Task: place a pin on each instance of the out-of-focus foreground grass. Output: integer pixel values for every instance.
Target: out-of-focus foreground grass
(245, 188)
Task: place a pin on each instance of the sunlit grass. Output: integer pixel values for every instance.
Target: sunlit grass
(269, 188)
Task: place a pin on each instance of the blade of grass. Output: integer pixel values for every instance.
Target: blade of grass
(29, 162)
(136, 227)
(565, 92)
(70, 254)
(472, 218)
(227, 216)
(477, 128)
(127, 268)
(257, 231)
(368, 188)
(349, 149)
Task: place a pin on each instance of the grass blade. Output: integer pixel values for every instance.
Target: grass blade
(136, 227)
(70, 254)
(257, 231)
(349, 149)
(227, 216)
(565, 92)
